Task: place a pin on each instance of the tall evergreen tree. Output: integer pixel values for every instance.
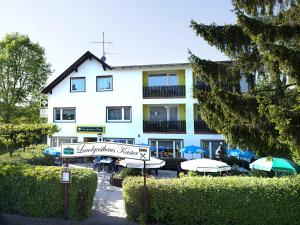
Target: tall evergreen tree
(264, 48)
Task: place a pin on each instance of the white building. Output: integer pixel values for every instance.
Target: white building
(149, 104)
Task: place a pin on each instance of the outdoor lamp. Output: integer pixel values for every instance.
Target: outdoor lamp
(65, 175)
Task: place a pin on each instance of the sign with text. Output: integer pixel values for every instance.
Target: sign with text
(105, 149)
(43, 113)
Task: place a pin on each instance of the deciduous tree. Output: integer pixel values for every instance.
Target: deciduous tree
(23, 73)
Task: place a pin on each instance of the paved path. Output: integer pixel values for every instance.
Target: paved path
(108, 209)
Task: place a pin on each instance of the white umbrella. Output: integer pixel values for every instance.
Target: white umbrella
(205, 165)
(153, 163)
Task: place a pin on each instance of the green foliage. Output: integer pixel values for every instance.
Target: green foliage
(215, 200)
(261, 173)
(263, 47)
(126, 172)
(36, 191)
(25, 134)
(171, 163)
(235, 161)
(34, 155)
(23, 73)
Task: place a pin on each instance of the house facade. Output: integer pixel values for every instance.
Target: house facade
(143, 104)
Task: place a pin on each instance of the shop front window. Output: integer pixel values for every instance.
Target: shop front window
(57, 141)
(166, 148)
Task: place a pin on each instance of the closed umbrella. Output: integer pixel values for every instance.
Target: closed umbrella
(276, 164)
(205, 165)
(153, 163)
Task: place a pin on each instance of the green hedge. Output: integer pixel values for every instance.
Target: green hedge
(215, 200)
(171, 163)
(36, 191)
(126, 172)
(33, 155)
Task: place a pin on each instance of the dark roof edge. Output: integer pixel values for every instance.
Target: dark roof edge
(151, 65)
(73, 67)
(160, 65)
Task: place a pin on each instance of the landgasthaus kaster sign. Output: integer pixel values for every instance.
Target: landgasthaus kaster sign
(105, 149)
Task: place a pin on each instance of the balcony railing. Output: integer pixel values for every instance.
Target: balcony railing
(201, 127)
(164, 126)
(164, 91)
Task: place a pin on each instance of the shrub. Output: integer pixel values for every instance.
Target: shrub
(34, 155)
(125, 172)
(25, 134)
(171, 163)
(36, 191)
(235, 161)
(215, 200)
(261, 173)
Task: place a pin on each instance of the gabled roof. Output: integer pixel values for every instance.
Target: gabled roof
(73, 67)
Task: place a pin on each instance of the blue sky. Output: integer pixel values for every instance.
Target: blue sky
(142, 31)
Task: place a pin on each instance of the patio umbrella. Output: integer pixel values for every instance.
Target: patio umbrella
(240, 154)
(153, 163)
(192, 149)
(234, 152)
(54, 151)
(205, 165)
(276, 164)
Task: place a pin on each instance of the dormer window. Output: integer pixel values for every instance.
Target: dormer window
(77, 84)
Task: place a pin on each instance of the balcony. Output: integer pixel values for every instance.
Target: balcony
(201, 127)
(164, 91)
(164, 126)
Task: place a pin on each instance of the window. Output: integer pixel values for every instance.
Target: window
(211, 146)
(166, 148)
(162, 80)
(163, 113)
(118, 114)
(120, 140)
(77, 84)
(64, 115)
(104, 83)
(57, 141)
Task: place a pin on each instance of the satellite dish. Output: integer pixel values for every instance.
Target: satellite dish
(103, 58)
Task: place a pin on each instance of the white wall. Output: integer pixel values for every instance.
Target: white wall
(127, 91)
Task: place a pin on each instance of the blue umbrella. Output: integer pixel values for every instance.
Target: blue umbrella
(54, 151)
(234, 152)
(245, 155)
(191, 149)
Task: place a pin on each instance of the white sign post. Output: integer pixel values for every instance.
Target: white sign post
(105, 149)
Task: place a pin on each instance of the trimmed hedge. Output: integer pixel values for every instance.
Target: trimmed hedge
(215, 200)
(36, 191)
(33, 155)
(126, 172)
(171, 163)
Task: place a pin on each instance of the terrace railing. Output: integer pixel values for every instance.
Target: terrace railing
(164, 126)
(164, 91)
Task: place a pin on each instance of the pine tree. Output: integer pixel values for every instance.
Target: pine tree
(264, 48)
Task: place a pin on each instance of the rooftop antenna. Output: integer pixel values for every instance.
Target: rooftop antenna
(103, 42)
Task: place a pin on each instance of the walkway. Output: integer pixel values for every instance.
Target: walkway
(108, 209)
